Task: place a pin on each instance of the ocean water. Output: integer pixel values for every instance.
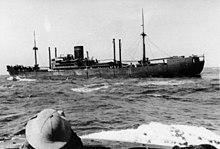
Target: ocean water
(165, 111)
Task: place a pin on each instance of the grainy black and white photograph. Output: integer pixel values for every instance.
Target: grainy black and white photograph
(109, 74)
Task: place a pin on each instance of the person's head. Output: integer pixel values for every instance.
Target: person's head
(48, 130)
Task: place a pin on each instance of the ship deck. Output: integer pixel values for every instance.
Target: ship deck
(16, 143)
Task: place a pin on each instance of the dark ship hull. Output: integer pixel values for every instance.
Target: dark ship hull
(174, 67)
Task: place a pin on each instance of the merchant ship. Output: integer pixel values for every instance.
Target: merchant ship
(77, 66)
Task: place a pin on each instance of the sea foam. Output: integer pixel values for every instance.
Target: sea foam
(19, 79)
(161, 134)
(90, 88)
(168, 82)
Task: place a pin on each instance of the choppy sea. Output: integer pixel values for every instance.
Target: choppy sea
(165, 111)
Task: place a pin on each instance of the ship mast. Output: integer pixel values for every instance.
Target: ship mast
(35, 48)
(143, 36)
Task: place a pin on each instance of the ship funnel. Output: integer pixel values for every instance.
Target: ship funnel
(78, 52)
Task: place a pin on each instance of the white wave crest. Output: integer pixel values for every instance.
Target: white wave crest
(28, 80)
(90, 88)
(13, 78)
(170, 82)
(17, 78)
(161, 134)
(155, 95)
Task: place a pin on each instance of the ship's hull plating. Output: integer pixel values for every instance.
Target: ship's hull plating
(158, 70)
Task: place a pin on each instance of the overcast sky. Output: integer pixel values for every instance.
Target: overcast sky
(176, 27)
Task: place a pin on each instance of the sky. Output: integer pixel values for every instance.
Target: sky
(173, 28)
